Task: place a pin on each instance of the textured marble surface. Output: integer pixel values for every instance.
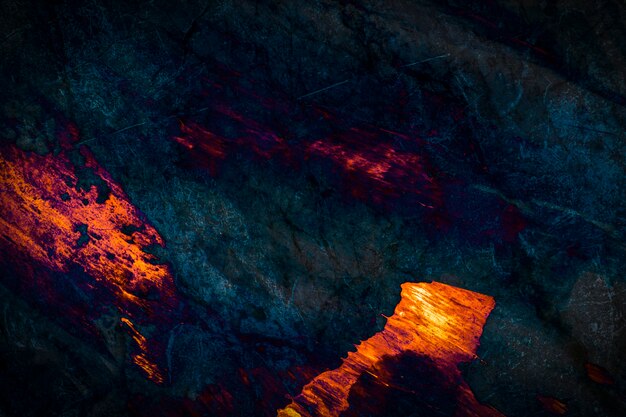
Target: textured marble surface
(299, 161)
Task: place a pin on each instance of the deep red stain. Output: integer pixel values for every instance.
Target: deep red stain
(372, 168)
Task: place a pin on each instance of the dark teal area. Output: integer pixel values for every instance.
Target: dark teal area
(283, 262)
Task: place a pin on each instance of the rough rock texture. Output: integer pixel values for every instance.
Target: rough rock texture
(291, 215)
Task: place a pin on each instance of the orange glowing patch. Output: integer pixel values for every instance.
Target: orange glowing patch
(58, 223)
(375, 163)
(435, 320)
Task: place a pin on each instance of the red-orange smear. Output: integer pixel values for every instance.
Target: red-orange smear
(373, 168)
(60, 225)
(390, 171)
(435, 320)
(598, 374)
(141, 359)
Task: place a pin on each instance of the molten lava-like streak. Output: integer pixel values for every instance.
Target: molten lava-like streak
(53, 219)
(435, 320)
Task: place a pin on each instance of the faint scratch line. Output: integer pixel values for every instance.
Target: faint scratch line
(323, 89)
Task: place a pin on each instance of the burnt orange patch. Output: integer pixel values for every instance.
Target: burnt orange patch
(437, 321)
(59, 223)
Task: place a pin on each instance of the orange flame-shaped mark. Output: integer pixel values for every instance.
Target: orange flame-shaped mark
(434, 320)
